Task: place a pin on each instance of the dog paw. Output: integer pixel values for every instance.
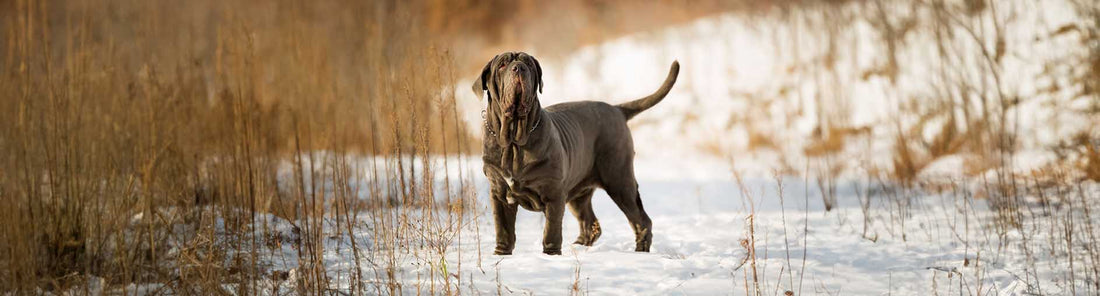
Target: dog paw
(502, 253)
(643, 246)
(584, 241)
(588, 239)
(551, 252)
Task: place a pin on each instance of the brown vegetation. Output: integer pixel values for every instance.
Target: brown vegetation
(142, 142)
(129, 129)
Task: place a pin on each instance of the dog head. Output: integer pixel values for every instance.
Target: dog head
(512, 80)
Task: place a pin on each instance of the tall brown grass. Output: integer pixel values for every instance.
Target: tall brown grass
(145, 144)
(142, 141)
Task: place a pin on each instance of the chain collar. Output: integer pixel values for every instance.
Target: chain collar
(494, 134)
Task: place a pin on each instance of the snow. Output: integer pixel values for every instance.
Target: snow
(934, 243)
(904, 242)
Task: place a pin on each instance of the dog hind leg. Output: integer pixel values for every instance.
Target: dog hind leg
(618, 180)
(581, 206)
(630, 203)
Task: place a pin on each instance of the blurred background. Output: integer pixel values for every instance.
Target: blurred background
(778, 80)
(113, 108)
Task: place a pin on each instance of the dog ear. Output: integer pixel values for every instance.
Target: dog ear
(538, 71)
(483, 78)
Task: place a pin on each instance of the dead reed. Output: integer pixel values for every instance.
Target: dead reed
(147, 146)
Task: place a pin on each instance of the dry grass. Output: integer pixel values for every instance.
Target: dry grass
(833, 140)
(968, 109)
(143, 141)
(971, 113)
(1091, 165)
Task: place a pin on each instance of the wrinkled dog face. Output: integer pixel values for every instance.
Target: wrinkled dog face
(512, 79)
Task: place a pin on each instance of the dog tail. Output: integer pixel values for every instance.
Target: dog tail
(634, 107)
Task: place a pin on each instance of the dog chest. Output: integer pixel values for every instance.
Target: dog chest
(520, 193)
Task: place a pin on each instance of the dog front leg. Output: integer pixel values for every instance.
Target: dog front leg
(551, 235)
(505, 216)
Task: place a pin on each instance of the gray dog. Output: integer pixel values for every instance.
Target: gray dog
(544, 159)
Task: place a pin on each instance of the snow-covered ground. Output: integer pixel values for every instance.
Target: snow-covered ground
(902, 243)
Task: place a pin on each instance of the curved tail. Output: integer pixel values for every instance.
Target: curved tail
(634, 107)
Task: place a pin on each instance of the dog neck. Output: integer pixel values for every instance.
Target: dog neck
(530, 127)
(512, 154)
(493, 134)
